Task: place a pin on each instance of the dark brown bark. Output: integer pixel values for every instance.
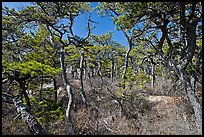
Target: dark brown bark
(23, 92)
(126, 58)
(27, 99)
(153, 75)
(55, 88)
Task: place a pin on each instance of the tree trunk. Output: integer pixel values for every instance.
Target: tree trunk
(55, 88)
(190, 28)
(84, 67)
(193, 100)
(27, 99)
(162, 72)
(116, 70)
(89, 77)
(99, 72)
(82, 93)
(23, 91)
(69, 105)
(68, 88)
(112, 69)
(148, 72)
(119, 101)
(153, 76)
(22, 109)
(41, 88)
(185, 79)
(196, 107)
(126, 59)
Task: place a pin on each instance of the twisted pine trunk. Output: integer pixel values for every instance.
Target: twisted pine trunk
(82, 93)
(23, 110)
(112, 69)
(153, 75)
(68, 88)
(126, 60)
(193, 100)
(99, 72)
(55, 88)
(89, 77)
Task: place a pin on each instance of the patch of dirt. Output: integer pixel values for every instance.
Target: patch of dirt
(169, 116)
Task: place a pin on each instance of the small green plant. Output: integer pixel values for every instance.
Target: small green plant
(47, 110)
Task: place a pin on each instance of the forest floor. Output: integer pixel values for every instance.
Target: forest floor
(151, 115)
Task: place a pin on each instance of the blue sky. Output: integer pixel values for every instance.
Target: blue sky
(105, 24)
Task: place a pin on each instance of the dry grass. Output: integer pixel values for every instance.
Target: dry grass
(156, 115)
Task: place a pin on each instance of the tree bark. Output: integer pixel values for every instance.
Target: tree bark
(68, 88)
(185, 79)
(41, 88)
(193, 100)
(119, 101)
(22, 109)
(153, 75)
(126, 59)
(55, 88)
(99, 72)
(89, 77)
(84, 67)
(27, 99)
(23, 90)
(196, 107)
(112, 69)
(190, 28)
(116, 69)
(82, 93)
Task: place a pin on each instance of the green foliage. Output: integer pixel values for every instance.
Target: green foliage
(47, 110)
(131, 79)
(74, 57)
(103, 40)
(34, 68)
